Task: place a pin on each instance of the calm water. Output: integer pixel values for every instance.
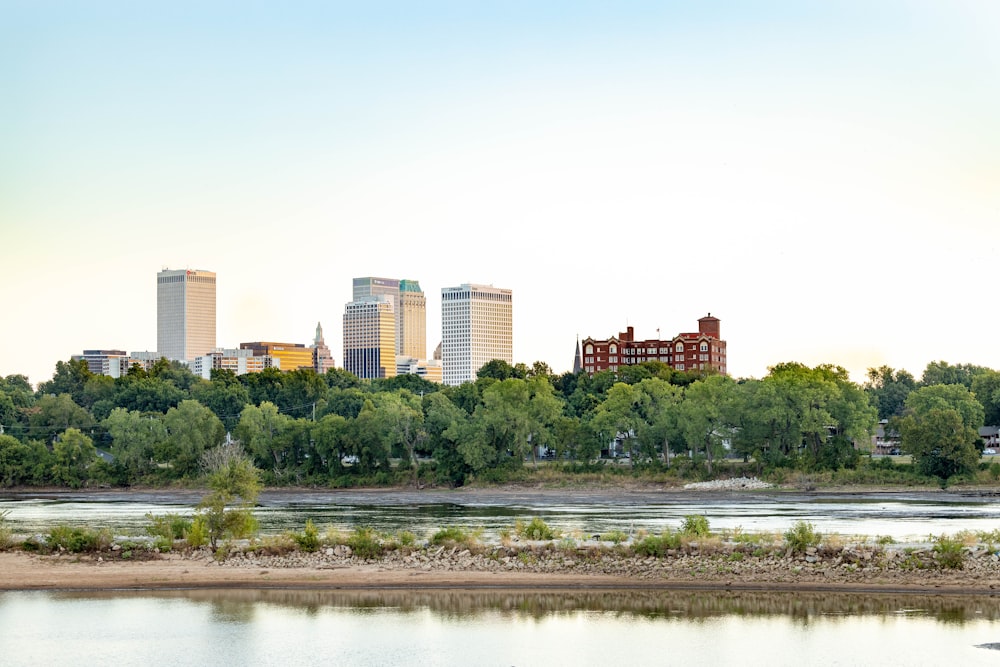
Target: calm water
(492, 628)
(905, 517)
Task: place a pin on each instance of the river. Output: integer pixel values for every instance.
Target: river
(495, 628)
(903, 516)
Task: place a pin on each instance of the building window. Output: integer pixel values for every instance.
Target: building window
(679, 347)
(613, 349)
(589, 349)
(704, 347)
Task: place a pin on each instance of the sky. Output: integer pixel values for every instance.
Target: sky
(823, 177)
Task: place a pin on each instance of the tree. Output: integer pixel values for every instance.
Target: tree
(660, 419)
(620, 414)
(940, 428)
(498, 369)
(53, 414)
(224, 396)
(706, 414)
(400, 419)
(235, 484)
(70, 378)
(192, 429)
(888, 389)
(260, 429)
(13, 461)
(444, 424)
(73, 453)
(941, 372)
(135, 439)
(986, 387)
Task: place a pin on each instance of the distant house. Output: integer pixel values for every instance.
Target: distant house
(885, 441)
(990, 436)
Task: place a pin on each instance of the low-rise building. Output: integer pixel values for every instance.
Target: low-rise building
(700, 351)
(239, 361)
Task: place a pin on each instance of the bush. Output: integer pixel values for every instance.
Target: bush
(78, 540)
(6, 534)
(171, 526)
(695, 525)
(536, 529)
(365, 543)
(308, 539)
(949, 553)
(450, 535)
(656, 546)
(615, 536)
(801, 536)
(197, 533)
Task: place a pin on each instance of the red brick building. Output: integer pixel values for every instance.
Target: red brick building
(683, 352)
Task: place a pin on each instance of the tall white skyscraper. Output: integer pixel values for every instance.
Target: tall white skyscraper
(476, 327)
(185, 313)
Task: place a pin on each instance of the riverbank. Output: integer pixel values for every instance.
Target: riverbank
(527, 567)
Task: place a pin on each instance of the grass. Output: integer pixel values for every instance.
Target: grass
(536, 529)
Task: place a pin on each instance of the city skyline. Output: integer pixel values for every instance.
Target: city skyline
(823, 178)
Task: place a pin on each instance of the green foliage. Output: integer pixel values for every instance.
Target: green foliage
(652, 545)
(234, 484)
(308, 539)
(6, 534)
(949, 553)
(170, 526)
(77, 539)
(449, 535)
(365, 543)
(801, 536)
(614, 536)
(695, 525)
(536, 529)
(197, 534)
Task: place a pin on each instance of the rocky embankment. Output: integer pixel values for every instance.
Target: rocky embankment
(729, 564)
(734, 484)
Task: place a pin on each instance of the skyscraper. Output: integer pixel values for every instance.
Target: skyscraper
(185, 313)
(410, 306)
(476, 327)
(321, 356)
(370, 337)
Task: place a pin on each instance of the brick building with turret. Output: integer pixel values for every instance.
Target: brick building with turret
(699, 351)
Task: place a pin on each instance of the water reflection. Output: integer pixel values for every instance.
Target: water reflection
(239, 605)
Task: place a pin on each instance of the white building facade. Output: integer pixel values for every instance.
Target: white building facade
(370, 337)
(185, 313)
(476, 327)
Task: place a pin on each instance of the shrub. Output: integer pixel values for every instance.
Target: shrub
(615, 536)
(450, 535)
(801, 536)
(197, 533)
(949, 553)
(656, 546)
(171, 526)
(308, 539)
(78, 540)
(275, 545)
(164, 544)
(536, 529)
(6, 534)
(695, 525)
(365, 543)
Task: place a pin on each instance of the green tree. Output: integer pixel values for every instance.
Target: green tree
(14, 458)
(400, 419)
(888, 389)
(986, 387)
(260, 430)
(224, 395)
(940, 428)
(73, 453)
(135, 440)
(706, 415)
(70, 377)
(53, 414)
(660, 426)
(620, 414)
(235, 485)
(941, 372)
(444, 424)
(192, 429)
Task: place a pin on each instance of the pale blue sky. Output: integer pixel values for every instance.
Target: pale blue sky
(822, 176)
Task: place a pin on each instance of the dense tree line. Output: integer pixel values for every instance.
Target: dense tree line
(334, 429)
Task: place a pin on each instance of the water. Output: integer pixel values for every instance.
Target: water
(494, 628)
(904, 517)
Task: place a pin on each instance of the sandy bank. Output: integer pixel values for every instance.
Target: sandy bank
(21, 571)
